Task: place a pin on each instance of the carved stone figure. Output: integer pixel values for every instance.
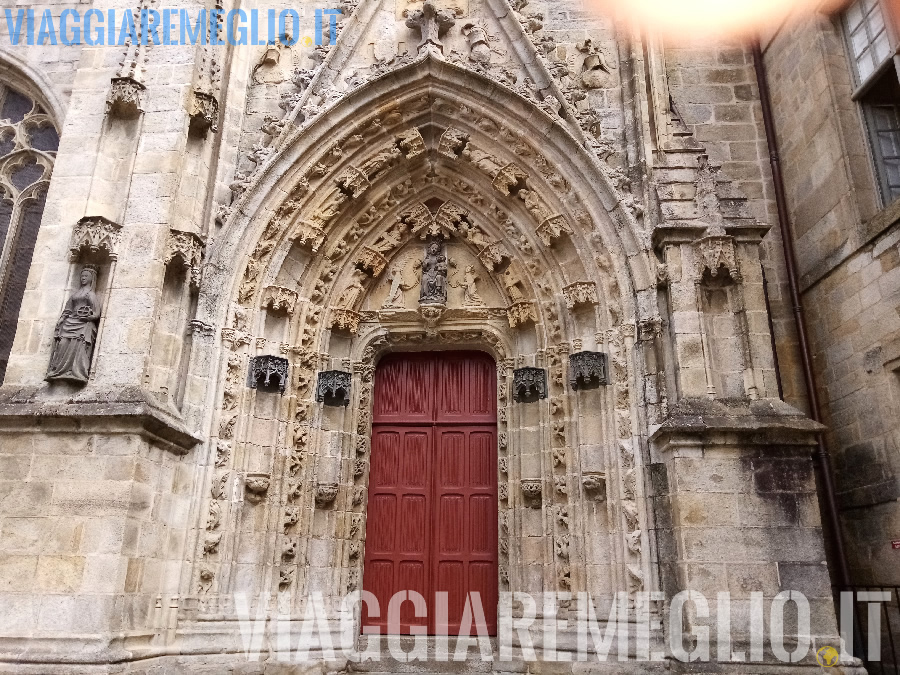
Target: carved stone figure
(479, 50)
(434, 275)
(76, 332)
(395, 295)
(352, 293)
(432, 23)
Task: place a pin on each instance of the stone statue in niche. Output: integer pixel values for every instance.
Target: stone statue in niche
(352, 294)
(76, 332)
(434, 275)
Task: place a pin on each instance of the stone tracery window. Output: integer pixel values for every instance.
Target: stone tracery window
(28, 144)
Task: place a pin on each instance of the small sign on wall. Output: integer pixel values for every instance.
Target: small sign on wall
(895, 544)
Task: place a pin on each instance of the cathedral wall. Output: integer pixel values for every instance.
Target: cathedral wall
(849, 264)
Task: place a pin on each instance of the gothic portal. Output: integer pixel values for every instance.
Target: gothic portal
(457, 305)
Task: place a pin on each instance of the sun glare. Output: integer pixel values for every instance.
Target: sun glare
(691, 19)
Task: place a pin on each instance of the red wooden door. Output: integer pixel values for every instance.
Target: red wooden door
(432, 511)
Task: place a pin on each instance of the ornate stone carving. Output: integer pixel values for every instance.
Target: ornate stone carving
(285, 577)
(434, 275)
(334, 385)
(713, 253)
(213, 516)
(529, 383)
(432, 23)
(580, 293)
(587, 368)
(326, 493)
(203, 110)
(218, 488)
(553, 228)
(257, 485)
(411, 143)
(594, 485)
(521, 313)
(188, 247)
(509, 177)
(95, 234)
(371, 261)
(279, 299)
(308, 235)
(289, 549)
(124, 98)
(345, 320)
(532, 490)
(291, 517)
(479, 49)
(268, 372)
(353, 181)
(452, 143)
(76, 332)
(493, 255)
(223, 452)
(211, 544)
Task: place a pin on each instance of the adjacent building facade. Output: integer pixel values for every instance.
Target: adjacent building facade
(481, 296)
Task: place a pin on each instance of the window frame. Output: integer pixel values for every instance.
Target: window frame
(863, 87)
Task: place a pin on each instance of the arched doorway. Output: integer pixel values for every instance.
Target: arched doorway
(432, 504)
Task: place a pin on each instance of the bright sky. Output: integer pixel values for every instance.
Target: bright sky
(705, 18)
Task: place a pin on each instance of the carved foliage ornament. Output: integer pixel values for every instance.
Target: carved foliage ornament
(580, 293)
(268, 372)
(334, 385)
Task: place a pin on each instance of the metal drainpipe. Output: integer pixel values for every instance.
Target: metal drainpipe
(821, 454)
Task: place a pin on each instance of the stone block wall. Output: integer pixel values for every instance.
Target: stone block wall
(849, 262)
(94, 528)
(738, 511)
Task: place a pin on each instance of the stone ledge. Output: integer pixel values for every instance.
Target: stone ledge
(128, 410)
(726, 422)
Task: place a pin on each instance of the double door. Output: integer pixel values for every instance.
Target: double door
(432, 508)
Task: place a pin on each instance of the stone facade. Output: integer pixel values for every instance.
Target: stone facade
(258, 219)
(847, 251)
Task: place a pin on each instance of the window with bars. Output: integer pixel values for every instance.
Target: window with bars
(872, 41)
(28, 145)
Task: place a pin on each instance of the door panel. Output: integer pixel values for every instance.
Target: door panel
(432, 511)
(467, 535)
(398, 521)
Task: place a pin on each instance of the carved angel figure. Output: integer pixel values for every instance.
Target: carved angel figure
(76, 332)
(399, 285)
